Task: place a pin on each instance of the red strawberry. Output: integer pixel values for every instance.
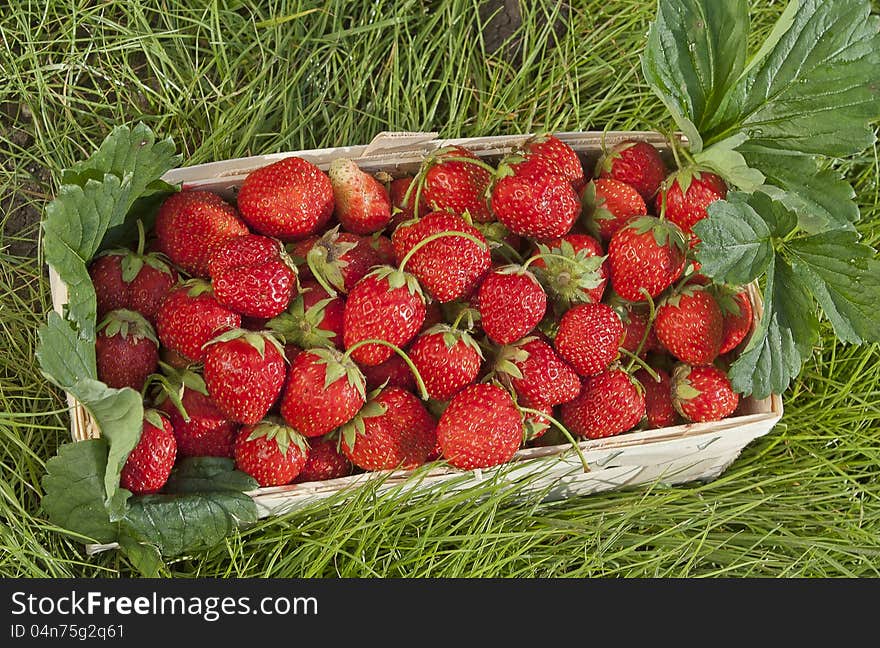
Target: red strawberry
(609, 403)
(325, 390)
(646, 253)
(538, 375)
(532, 198)
(449, 267)
(190, 317)
(384, 249)
(362, 202)
(637, 164)
(588, 338)
(244, 372)
(702, 393)
(126, 350)
(393, 430)
(338, 260)
(314, 319)
(690, 325)
(609, 204)
(457, 186)
(685, 195)
(448, 360)
(511, 303)
(190, 224)
(403, 200)
(573, 269)
(288, 199)
(394, 372)
(482, 427)
(386, 305)
(252, 275)
(736, 309)
(559, 152)
(658, 398)
(270, 452)
(324, 462)
(149, 464)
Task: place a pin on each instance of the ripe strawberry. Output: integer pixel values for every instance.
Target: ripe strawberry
(685, 195)
(637, 164)
(270, 452)
(449, 267)
(384, 248)
(511, 303)
(646, 253)
(451, 184)
(690, 325)
(324, 462)
(244, 373)
(702, 393)
(149, 464)
(538, 375)
(482, 427)
(403, 204)
(288, 199)
(573, 270)
(448, 360)
(252, 275)
(393, 430)
(313, 319)
(609, 204)
(388, 305)
(126, 350)
(190, 317)
(362, 202)
(325, 390)
(736, 309)
(609, 403)
(338, 260)
(532, 198)
(190, 224)
(394, 372)
(588, 338)
(559, 152)
(658, 398)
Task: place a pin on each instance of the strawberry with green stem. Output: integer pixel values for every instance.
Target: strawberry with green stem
(337, 260)
(690, 325)
(649, 253)
(270, 452)
(702, 393)
(609, 403)
(685, 195)
(126, 350)
(149, 464)
(608, 205)
(313, 319)
(511, 303)
(454, 179)
(589, 338)
(635, 163)
(447, 358)
(572, 269)
(536, 373)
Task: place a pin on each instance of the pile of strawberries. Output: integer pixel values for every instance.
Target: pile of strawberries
(340, 321)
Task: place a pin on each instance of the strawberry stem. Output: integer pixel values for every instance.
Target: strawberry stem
(310, 261)
(634, 359)
(142, 238)
(409, 363)
(532, 259)
(651, 314)
(467, 160)
(428, 239)
(565, 433)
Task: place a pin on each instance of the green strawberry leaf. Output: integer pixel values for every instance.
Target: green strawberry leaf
(143, 556)
(208, 475)
(726, 161)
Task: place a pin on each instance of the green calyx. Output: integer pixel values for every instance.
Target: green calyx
(568, 276)
(355, 426)
(131, 325)
(257, 339)
(340, 366)
(172, 382)
(274, 429)
(134, 260)
(326, 263)
(452, 336)
(397, 278)
(682, 390)
(301, 326)
(154, 417)
(508, 359)
(196, 287)
(423, 391)
(666, 233)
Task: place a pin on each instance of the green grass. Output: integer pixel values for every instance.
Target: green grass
(231, 81)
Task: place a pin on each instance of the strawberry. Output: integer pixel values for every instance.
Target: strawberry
(684, 196)
(362, 205)
(538, 375)
(658, 398)
(647, 253)
(149, 464)
(270, 452)
(610, 403)
(190, 224)
(532, 198)
(573, 269)
(456, 180)
(690, 325)
(609, 204)
(289, 199)
(324, 462)
(403, 200)
(588, 338)
(393, 430)
(190, 317)
(394, 372)
(449, 267)
(388, 305)
(126, 350)
(447, 359)
(559, 152)
(511, 303)
(384, 249)
(337, 260)
(244, 373)
(482, 427)
(313, 319)
(638, 164)
(634, 324)
(253, 276)
(702, 393)
(325, 390)
(736, 309)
